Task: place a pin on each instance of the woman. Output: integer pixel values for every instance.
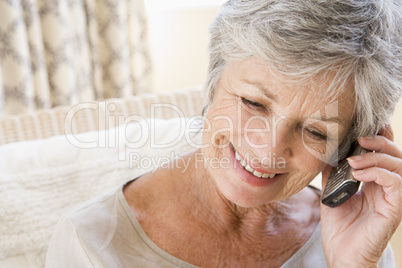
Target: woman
(291, 84)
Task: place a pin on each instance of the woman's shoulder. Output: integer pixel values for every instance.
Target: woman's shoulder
(103, 232)
(102, 211)
(101, 203)
(100, 208)
(150, 192)
(82, 231)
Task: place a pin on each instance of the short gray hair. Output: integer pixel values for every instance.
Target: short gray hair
(359, 39)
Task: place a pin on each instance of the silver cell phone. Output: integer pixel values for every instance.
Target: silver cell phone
(341, 185)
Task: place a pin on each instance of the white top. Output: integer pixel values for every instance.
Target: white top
(103, 232)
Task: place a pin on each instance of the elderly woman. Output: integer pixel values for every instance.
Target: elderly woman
(291, 85)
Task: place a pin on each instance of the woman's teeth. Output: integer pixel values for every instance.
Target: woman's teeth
(251, 170)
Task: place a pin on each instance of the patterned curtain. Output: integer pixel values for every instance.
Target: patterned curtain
(61, 52)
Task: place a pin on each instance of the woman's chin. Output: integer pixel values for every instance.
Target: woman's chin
(245, 197)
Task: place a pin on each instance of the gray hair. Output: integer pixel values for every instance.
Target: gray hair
(360, 40)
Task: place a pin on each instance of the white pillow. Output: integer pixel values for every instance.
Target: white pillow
(41, 180)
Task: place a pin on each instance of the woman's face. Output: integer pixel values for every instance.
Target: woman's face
(266, 137)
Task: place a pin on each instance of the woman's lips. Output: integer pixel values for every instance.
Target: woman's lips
(250, 175)
(251, 170)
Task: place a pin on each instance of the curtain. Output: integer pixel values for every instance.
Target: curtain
(61, 52)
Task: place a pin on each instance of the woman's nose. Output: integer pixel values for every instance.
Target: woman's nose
(271, 138)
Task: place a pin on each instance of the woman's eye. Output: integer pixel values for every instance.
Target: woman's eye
(252, 104)
(317, 135)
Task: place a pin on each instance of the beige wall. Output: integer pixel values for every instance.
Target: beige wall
(179, 39)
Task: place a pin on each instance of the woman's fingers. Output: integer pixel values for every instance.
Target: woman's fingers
(380, 144)
(391, 183)
(383, 166)
(383, 177)
(386, 153)
(380, 160)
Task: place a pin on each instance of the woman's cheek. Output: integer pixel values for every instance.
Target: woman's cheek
(219, 125)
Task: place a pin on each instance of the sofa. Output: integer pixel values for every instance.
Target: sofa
(54, 159)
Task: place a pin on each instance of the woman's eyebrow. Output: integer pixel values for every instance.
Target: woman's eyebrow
(264, 90)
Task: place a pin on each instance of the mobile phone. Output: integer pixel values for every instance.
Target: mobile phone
(341, 185)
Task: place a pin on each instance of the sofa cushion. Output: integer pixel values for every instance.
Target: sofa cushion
(42, 180)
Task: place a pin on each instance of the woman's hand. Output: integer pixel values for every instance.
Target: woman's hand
(356, 233)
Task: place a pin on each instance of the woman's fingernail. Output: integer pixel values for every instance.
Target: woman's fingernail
(357, 172)
(355, 158)
(368, 137)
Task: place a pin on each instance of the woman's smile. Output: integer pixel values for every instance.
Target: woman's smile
(248, 172)
(250, 168)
